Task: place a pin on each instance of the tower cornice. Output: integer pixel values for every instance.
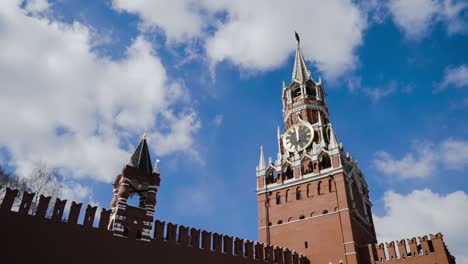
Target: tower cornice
(313, 105)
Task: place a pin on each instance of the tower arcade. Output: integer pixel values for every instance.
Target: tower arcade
(137, 178)
(313, 198)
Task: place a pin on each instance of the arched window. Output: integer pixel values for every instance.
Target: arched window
(290, 219)
(278, 198)
(301, 217)
(298, 193)
(330, 185)
(316, 137)
(310, 90)
(319, 187)
(280, 222)
(325, 162)
(287, 195)
(271, 176)
(306, 166)
(288, 173)
(297, 91)
(325, 211)
(309, 191)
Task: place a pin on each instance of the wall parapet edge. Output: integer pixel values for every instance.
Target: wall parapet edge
(164, 231)
(418, 250)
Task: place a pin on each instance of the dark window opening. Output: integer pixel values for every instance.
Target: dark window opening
(269, 224)
(306, 245)
(280, 222)
(298, 194)
(316, 137)
(319, 187)
(271, 177)
(301, 217)
(278, 198)
(288, 173)
(325, 162)
(310, 91)
(325, 211)
(297, 92)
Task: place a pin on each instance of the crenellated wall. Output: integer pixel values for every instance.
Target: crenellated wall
(34, 237)
(411, 251)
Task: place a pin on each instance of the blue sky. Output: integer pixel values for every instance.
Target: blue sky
(81, 80)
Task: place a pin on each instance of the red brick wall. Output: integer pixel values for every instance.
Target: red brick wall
(325, 232)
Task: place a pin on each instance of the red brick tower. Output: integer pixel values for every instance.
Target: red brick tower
(136, 178)
(313, 198)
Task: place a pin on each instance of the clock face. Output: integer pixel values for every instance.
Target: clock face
(298, 137)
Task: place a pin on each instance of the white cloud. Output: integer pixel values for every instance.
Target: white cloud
(451, 154)
(454, 153)
(258, 35)
(73, 191)
(36, 6)
(218, 120)
(378, 93)
(180, 20)
(354, 84)
(454, 76)
(66, 106)
(422, 212)
(419, 165)
(180, 136)
(417, 16)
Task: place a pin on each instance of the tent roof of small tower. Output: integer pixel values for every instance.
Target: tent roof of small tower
(141, 157)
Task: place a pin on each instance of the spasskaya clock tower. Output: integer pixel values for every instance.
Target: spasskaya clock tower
(313, 198)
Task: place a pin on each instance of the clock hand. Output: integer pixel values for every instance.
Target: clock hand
(297, 134)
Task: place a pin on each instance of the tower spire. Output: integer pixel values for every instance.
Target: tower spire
(141, 159)
(300, 73)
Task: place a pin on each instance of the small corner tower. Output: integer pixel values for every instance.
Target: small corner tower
(313, 198)
(136, 178)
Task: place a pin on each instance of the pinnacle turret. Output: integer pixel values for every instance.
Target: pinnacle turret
(333, 140)
(261, 163)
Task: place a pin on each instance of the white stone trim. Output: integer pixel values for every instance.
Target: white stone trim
(310, 105)
(306, 218)
(305, 178)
